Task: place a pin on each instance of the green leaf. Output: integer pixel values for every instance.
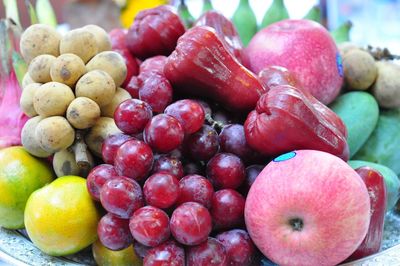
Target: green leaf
(45, 13)
(19, 65)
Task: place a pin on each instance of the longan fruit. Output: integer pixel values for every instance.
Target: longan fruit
(83, 112)
(359, 69)
(39, 68)
(52, 98)
(96, 85)
(26, 100)
(64, 163)
(28, 138)
(120, 96)
(26, 80)
(80, 42)
(39, 39)
(54, 134)
(102, 38)
(112, 63)
(386, 88)
(67, 69)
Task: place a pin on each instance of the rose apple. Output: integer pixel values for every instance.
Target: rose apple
(306, 49)
(307, 208)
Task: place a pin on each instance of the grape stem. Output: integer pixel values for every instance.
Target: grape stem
(214, 123)
(381, 53)
(81, 153)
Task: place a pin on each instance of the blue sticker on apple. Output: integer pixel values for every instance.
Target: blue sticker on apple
(285, 157)
(339, 64)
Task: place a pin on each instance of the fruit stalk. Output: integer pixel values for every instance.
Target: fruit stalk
(81, 152)
(377, 192)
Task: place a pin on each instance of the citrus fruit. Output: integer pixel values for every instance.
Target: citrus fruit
(20, 175)
(106, 257)
(61, 218)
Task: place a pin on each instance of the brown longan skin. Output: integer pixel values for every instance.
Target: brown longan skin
(39, 68)
(96, 85)
(29, 140)
(26, 100)
(26, 80)
(64, 163)
(101, 36)
(39, 39)
(386, 88)
(83, 113)
(52, 98)
(112, 63)
(67, 69)
(54, 134)
(80, 42)
(360, 70)
(120, 96)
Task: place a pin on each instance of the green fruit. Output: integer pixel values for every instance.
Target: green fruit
(276, 12)
(359, 112)
(314, 14)
(342, 33)
(245, 21)
(383, 146)
(392, 182)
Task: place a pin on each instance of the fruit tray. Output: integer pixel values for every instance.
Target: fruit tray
(16, 249)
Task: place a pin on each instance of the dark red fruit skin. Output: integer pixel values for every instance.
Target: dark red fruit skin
(133, 87)
(227, 209)
(111, 145)
(209, 253)
(189, 112)
(163, 133)
(97, 177)
(233, 140)
(252, 171)
(272, 76)
(190, 223)
(154, 31)
(203, 144)
(118, 38)
(128, 163)
(377, 191)
(149, 226)
(201, 65)
(152, 65)
(118, 203)
(157, 92)
(287, 119)
(239, 247)
(114, 232)
(140, 249)
(161, 190)
(168, 164)
(195, 188)
(169, 253)
(132, 115)
(131, 63)
(225, 30)
(226, 170)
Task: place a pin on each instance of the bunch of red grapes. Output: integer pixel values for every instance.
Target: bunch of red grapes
(172, 184)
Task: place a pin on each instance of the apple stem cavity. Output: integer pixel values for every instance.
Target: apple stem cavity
(296, 224)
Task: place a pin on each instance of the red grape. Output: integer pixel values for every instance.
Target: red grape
(227, 209)
(163, 133)
(134, 159)
(203, 144)
(195, 188)
(97, 177)
(117, 37)
(252, 172)
(132, 115)
(161, 190)
(233, 140)
(156, 91)
(239, 247)
(132, 65)
(169, 253)
(121, 196)
(226, 170)
(190, 223)
(150, 226)
(133, 87)
(111, 145)
(189, 112)
(168, 164)
(152, 65)
(209, 253)
(140, 249)
(114, 232)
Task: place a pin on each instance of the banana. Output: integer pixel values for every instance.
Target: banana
(32, 12)
(45, 13)
(245, 21)
(342, 33)
(276, 12)
(207, 6)
(314, 14)
(185, 15)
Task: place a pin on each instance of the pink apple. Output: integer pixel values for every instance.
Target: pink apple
(306, 49)
(307, 208)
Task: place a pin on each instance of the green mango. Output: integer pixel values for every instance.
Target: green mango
(392, 181)
(245, 21)
(383, 146)
(359, 112)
